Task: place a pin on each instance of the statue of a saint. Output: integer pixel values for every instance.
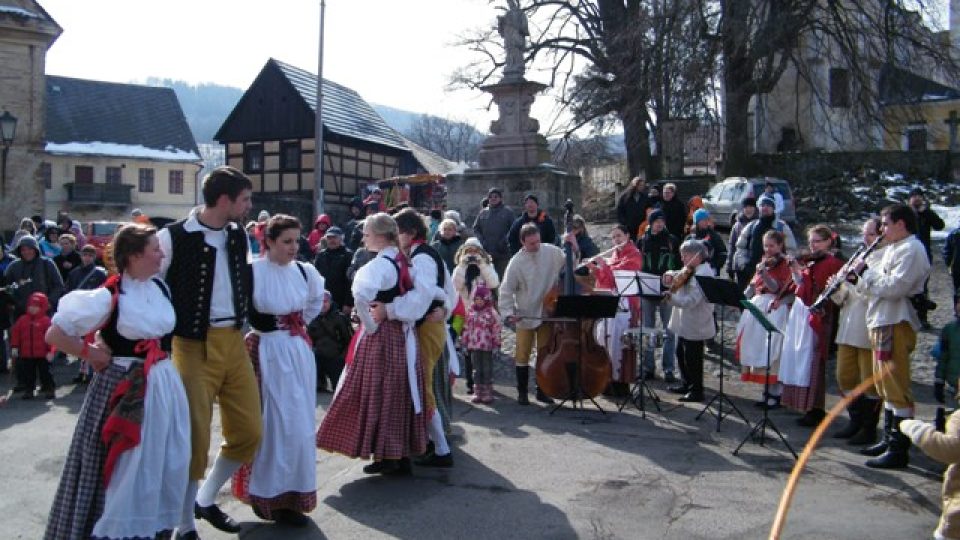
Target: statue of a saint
(512, 26)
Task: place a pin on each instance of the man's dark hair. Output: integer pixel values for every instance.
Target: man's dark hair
(411, 222)
(902, 212)
(224, 180)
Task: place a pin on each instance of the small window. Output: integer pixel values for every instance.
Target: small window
(46, 172)
(176, 182)
(714, 192)
(146, 180)
(83, 174)
(114, 176)
(290, 156)
(839, 87)
(253, 158)
(916, 138)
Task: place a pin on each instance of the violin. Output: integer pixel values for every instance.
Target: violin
(681, 277)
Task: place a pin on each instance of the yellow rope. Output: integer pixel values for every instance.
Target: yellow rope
(787, 497)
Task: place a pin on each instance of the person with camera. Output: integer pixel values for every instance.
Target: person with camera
(474, 267)
(892, 322)
(927, 219)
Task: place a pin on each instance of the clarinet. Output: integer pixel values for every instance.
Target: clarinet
(844, 271)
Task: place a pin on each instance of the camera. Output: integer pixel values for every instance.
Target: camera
(472, 259)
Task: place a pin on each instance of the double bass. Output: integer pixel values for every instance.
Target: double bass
(571, 364)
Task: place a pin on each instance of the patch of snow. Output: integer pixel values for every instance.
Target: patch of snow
(950, 215)
(459, 168)
(861, 189)
(19, 11)
(122, 150)
(897, 193)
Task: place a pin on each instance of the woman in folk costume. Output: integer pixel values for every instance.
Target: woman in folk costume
(281, 483)
(623, 256)
(771, 290)
(126, 472)
(806, 341)
(377, 411)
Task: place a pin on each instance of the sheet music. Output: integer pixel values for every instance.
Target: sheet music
(632, 283)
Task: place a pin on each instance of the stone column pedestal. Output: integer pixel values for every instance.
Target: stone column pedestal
(514, 142)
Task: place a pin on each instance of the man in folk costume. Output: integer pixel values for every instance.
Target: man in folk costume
(207, 266)
(854, 355)
(430, 279)
(893, 323)
(530, 275)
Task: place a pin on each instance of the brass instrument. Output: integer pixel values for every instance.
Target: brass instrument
(860, 255)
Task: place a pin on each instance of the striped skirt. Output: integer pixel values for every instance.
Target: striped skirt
(372, 414)
(441, 389)
(79, 501)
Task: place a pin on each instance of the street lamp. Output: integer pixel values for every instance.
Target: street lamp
(8, 130)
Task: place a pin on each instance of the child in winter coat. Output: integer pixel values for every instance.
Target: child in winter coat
(330, 333)
(29, 348)
(947, 354)
(481, 337)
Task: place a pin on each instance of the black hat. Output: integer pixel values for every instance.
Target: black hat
(916, 191)
(496, 190)
(750, 201)
(532, 196)
(655, 215)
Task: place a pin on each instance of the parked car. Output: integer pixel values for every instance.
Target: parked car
(725, 199)
(100, 233)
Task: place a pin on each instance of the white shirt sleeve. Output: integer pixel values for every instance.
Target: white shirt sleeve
(81, 312)
(166, 246)
(413, 305)
(315, 286)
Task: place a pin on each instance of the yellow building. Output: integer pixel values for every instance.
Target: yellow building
(916, 112)
(113, 147)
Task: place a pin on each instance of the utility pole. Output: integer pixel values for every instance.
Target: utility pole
(318, 126)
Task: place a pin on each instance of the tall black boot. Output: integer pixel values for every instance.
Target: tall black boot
(869, 415)
(523, 377)
(468, 369)
(881, 446)
(897, 455)
(855, 411)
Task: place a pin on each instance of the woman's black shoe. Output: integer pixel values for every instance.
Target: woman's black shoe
(679, 389)
(691, 397)
(290, 517)
(812, 418)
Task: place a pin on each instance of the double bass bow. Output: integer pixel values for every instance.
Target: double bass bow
(571, 364)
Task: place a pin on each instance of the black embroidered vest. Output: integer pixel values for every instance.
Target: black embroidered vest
(121, 346)
(424, 249)
(387, 296)
(190, 277)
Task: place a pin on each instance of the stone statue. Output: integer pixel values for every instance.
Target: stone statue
(512, 26)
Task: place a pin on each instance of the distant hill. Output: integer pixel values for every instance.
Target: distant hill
(398, 119)
(206, 105)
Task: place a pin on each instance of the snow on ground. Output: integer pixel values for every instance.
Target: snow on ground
(950, 216)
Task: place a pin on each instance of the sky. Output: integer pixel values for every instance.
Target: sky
(395, 53)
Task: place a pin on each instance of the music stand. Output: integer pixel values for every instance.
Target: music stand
(721, 292)
(644, 285)
(761, 425)
(579, 307)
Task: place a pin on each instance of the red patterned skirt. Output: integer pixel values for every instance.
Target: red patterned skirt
(372, 415)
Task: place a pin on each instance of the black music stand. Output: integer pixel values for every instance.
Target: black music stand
(721, 292)
(580, 307)
(645, 286)
(760, 427)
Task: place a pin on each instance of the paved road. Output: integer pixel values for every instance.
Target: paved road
(522, 473)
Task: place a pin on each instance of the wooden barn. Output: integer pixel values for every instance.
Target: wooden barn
(269, 136)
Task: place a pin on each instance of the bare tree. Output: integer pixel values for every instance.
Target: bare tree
(573, 153)
(452, 139)
(628, 61)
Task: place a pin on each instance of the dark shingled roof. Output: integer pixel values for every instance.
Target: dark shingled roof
(899, 86)
(84, 111)
(344, 111)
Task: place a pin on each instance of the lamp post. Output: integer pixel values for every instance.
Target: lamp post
(8, 130)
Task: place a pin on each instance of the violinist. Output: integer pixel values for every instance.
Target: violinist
(692, 318)
(661, 253)
(807, 338)
(531, 273)
(771, 290)
(623, 256)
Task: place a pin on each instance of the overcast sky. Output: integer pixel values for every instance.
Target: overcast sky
(393, 52)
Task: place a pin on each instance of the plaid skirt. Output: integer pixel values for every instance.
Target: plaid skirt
(79, 501)
(372, 414)
(812, 396)
(441, 389)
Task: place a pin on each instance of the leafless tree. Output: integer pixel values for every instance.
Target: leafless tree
(452, 139)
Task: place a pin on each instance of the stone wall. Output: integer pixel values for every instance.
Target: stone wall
(806, 167)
